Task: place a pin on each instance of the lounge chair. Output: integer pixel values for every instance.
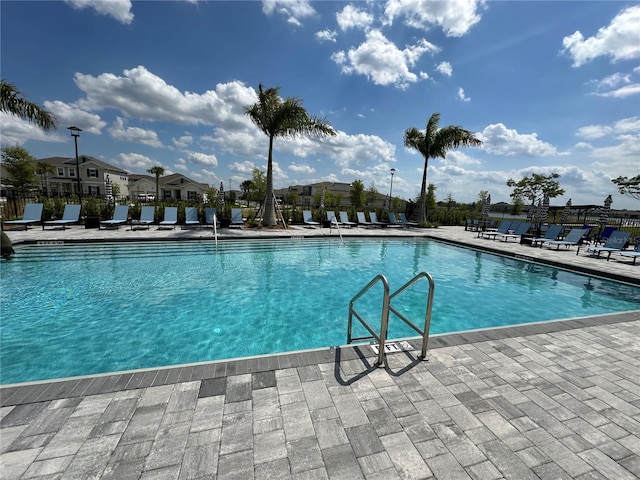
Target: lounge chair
(504, 227)
(191, 217)
(615, 243)
(306, 218)
(393, 221)
(147, 216)
(635, 253)
(374, 219)
(120, 215)
(32, 215)
(344, 220)
(574, 237)
(362, 220)
(603, 236)
(210, 216)
(522, 229)
(552, 233)
(170, 218)
(70, 215)
(236, 218)
(331, 216)
(405, 222)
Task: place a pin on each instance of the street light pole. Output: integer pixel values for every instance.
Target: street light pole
(393, 170)
(75, 133)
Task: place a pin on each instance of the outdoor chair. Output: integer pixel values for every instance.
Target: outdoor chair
(552, 233)
(344, 220)
(32, 215)
(574, 237)
(191, 217)
(635, 253)
(616, 242)
(170, 218)
(120, 215)
(307, 219)
(70, 215)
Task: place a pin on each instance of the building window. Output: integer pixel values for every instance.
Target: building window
(72, 172)
(60, 172)
(92, 172)
(94, 190)
(192, 195)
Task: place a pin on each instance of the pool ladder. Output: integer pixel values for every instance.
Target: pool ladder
(381, 337)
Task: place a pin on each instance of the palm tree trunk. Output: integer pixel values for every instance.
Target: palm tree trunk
(157, 188)
(422, 205)
(269, 219)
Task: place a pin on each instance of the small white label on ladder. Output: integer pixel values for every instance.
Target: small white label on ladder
(394, 347)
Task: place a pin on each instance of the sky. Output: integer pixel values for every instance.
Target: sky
(548, 86)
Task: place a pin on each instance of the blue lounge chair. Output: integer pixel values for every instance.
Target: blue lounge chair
(147, 216)
(210, 216)
(521, 229)
(32, 215)
(70, 215)
(374, 219)
(504, 227)
(170, 218)
(615, 243)
(574, 237)
(344, 220)
(393, 221)
(362, 220)
(331, 216)
(552, 233)
(405, 222)
(306, 218)
(603, 236)
(236, 218)
(191, 217)
(635, 253)
(119, 217)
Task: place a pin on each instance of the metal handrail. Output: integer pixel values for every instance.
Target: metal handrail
(427, 320)
(215, 228)
(331, 222)
(384, 320)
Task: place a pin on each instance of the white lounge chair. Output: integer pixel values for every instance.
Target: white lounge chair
(170, 218)
(344, 220)
(70, 215)
(362, 220)
(374, 219)
(147, 217)
(32, 215)
(307, 219)
(191, 217)
(120, 215)
(210, 216)
(574, 237)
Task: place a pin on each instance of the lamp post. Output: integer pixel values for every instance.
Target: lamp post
(75, 133)
(393, 170)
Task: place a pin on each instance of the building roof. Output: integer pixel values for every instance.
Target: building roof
(83, 160)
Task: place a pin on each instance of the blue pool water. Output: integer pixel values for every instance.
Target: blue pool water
(82, 309)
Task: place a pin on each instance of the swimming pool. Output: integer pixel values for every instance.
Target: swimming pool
(72, 310)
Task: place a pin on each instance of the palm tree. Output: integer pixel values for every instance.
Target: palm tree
(435, 142)
(13, 104)
(157, 171)
(44, 170)
(279, 118)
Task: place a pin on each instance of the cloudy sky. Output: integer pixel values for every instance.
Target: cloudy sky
(548, 86)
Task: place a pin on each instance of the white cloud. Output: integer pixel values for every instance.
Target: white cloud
(120, 131)
(135, 162)
(71, 114)
(455, 17)
(499, 140)
(619, 40)
(201, 158)
(16, 131)
(462, 96)
(245, 168)
(182, 141)
(630, 125)
(622, 92)
(118, 9)
(294, 10)
(592, 132)
(353, 17)
(298, 168)
(143, 95)
(381, 61)
(445, 69)
(326, 36)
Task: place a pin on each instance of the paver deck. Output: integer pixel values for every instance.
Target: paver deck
(551, 400)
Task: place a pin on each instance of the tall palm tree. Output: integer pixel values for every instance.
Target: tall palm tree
(13, 104)
(157, 171)
(432, 143)
(44, 170)
(281, 118)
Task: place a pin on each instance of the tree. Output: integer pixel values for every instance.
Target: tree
(536, 187)
(259, 185)
(281, 118)
(434, 142)
(246, 187)
(516, 206)
(482, 197)
(356, 194)
(430, 198)
(20, 174)
(44, 169)
(12, 103)
(371, 195)
(628, 186)
(157, 171)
